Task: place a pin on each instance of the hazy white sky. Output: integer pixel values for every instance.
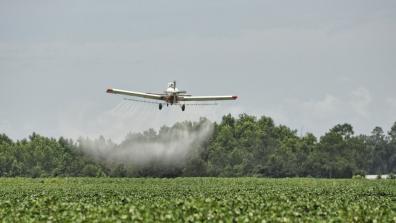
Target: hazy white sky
(308, 64)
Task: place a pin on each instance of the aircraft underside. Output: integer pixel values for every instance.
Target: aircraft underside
(182, 106)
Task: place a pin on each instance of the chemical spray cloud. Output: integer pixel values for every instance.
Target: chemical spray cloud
(171, 146)
(163, 146)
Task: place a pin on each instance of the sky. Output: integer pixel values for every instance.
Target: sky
(307, 64)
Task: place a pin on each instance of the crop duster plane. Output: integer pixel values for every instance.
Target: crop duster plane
(172, 96)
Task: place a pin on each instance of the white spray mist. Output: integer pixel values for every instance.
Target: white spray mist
(171, 146)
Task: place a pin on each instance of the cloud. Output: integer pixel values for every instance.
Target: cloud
(360, 101)
(391, 102)
(323, 108)
(391, 110)
(319, 115)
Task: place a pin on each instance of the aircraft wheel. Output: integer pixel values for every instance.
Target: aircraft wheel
(183, 107)
(160, 106)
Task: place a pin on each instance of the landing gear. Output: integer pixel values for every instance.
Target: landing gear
(183, 107)
(160, 106)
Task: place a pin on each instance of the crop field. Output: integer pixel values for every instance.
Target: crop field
(196, 200)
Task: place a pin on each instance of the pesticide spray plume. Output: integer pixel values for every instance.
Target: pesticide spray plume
(149, 141)
(169, 147)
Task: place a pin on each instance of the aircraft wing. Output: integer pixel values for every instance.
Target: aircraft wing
(207, 98)
(136, 94)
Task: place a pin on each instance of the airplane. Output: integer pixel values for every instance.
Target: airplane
(171, 96)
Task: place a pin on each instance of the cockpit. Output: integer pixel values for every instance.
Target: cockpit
(171, 85)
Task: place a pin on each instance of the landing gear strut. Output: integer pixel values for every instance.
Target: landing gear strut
(183, 107)
(160, 106)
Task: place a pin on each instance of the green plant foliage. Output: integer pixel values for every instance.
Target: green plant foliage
(196, 200)
(237, 146)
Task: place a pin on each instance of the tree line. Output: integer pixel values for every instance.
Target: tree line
(237, 146)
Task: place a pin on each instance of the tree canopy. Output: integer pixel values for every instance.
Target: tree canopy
(236, 146)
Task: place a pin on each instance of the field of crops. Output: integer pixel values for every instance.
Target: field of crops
(196, 199)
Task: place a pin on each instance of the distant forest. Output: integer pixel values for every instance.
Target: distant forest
(236, 146)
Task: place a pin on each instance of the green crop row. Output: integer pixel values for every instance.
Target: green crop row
(196, 200)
